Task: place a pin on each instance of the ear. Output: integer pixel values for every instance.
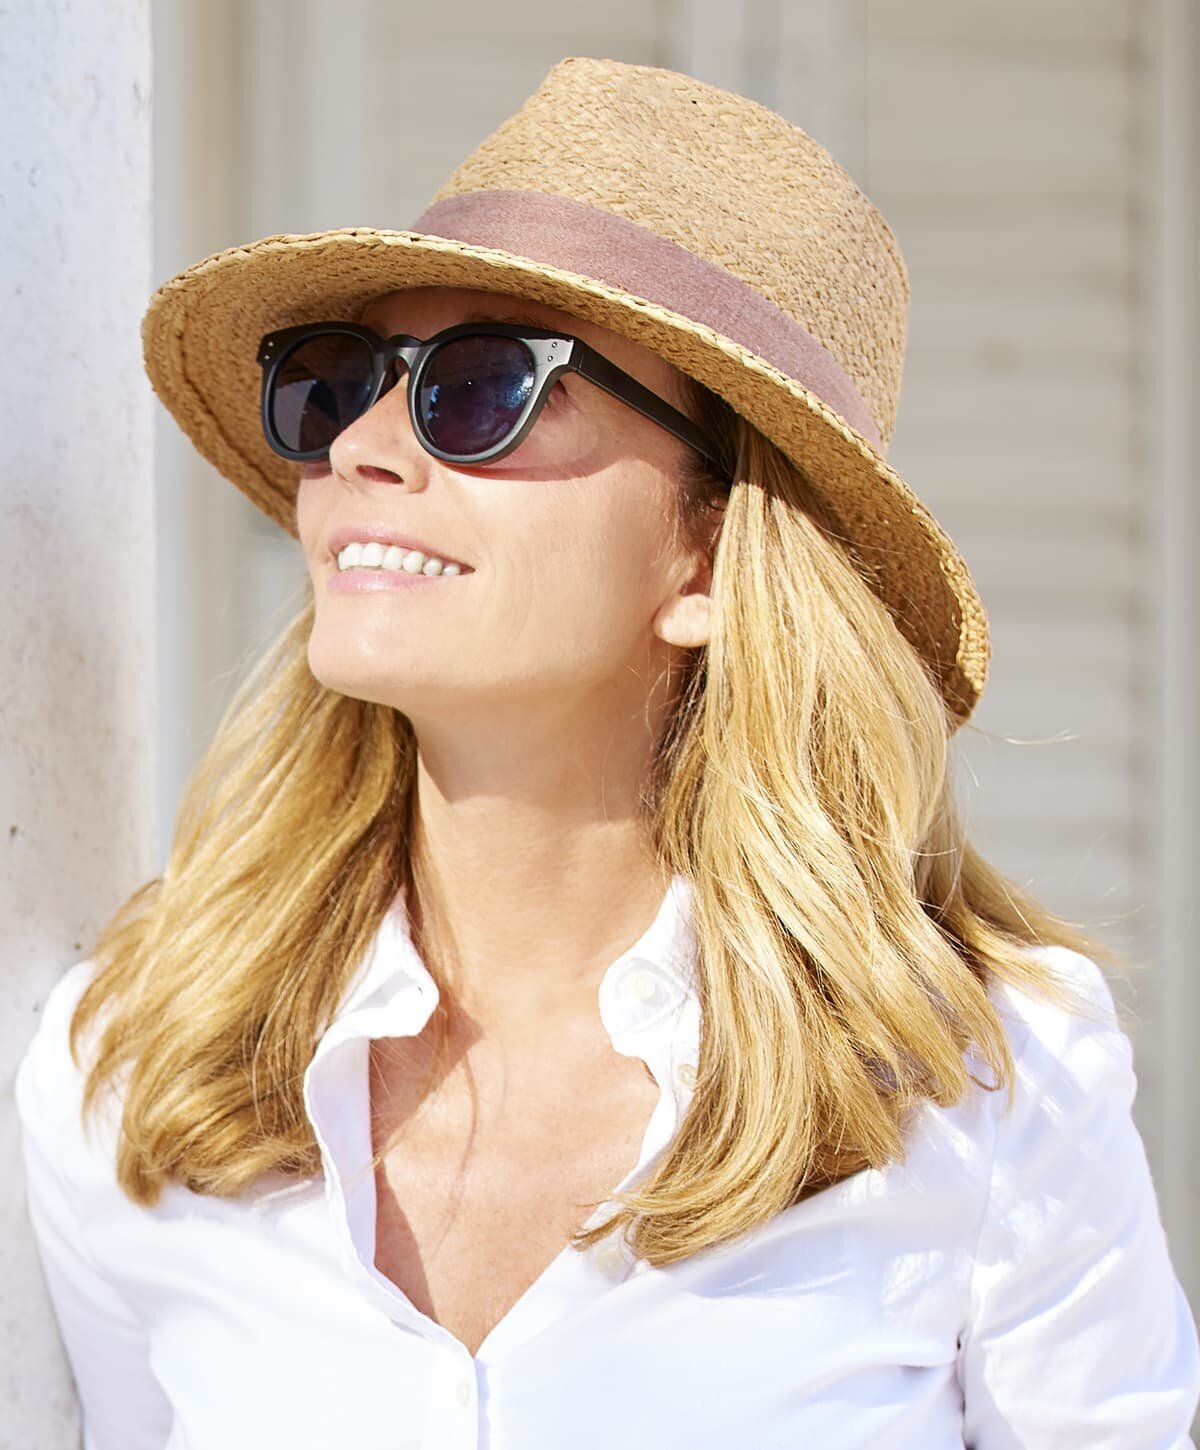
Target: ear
(684, 617)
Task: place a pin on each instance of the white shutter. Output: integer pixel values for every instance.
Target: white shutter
(1001, 147)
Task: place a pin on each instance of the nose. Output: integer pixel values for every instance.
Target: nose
(380, 444)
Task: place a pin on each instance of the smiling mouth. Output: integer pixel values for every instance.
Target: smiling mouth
(376, 557)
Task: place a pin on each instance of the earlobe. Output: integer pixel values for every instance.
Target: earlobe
(685, 620)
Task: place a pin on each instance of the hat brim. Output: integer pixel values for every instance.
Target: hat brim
(201, 334)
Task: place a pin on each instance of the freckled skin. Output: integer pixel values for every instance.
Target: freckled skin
(474, 1202)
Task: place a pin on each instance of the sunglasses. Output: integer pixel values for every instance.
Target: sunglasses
(474, 390)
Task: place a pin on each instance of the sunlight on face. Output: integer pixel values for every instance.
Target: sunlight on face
(566, 540)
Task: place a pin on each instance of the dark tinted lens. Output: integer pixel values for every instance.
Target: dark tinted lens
(473, 392)
(321, 387)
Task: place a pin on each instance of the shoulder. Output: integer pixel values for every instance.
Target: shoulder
(1081, 1043)
(1068, 1061)
(48, 1087)
(47, 1056)
(1032, 1014)
(1071, 1283)
(1073, 1085)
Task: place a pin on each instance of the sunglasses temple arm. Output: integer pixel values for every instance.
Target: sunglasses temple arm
(597, 369)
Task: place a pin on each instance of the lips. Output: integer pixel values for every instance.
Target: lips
(380, 533)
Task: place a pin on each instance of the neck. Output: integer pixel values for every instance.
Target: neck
(525, 890)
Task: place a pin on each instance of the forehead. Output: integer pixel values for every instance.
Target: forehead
(424, 310)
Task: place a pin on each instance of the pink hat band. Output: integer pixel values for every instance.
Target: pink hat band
(577, 237)
(694, 222)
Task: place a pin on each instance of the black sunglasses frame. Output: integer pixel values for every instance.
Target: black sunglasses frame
(552, 353)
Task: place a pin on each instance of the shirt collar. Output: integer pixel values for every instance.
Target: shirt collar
(650, 981)
(648, 1003)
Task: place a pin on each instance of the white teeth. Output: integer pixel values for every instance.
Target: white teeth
(395, 558)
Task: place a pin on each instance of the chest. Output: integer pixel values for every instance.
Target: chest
(485, 1179)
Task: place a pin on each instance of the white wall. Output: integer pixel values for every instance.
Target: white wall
(77, 567)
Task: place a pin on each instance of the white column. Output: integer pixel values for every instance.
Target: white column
(76, 567)
(205, 88)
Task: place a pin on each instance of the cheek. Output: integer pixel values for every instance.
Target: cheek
(312, 507)
(629, 540)
(587, 538)
(610, 578)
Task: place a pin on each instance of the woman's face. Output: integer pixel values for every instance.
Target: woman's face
(570, 581)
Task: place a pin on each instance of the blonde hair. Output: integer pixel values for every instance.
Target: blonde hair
(847, 930)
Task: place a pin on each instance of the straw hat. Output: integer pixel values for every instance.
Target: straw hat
(685, 217)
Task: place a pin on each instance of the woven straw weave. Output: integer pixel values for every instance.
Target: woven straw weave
(638, 176)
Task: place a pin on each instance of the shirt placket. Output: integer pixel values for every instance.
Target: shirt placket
(650, 1010)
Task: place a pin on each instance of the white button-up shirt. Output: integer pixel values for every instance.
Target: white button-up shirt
(1008, 1285)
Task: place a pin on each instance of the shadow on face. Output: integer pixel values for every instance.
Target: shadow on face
(570, 538)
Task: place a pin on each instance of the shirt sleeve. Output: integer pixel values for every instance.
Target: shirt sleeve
(122, 1405)
(1079, 1333)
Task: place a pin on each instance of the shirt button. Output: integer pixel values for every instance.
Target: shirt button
(609, 1257)
(642, 984)
(685, 1074)
(464, 1391)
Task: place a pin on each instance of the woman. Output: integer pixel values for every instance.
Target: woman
(570, 1013)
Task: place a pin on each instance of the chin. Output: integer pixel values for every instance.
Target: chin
(342, 669)
(334, 667)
